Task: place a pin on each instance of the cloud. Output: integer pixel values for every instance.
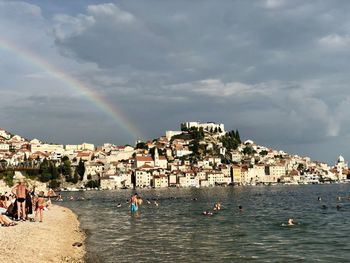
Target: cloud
(335, 41)
(275, 69)
(274, 3)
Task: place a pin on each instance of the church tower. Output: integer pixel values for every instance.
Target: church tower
(156, 157)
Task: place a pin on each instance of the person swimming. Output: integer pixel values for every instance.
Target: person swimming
(291, 222)
(207, 213)
(217, 206)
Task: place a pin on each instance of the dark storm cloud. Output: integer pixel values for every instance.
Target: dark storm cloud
(277, 70)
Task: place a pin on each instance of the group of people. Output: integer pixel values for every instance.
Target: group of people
(21, 202)
(216, 207)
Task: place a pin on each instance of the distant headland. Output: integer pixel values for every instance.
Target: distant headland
(197, 155)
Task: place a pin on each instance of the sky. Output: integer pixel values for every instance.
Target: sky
(94, 71)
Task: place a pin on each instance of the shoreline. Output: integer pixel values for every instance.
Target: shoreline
(49, 241)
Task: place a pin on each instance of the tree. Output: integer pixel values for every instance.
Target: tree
(3, 164)
(237, 136)
(75, 178)
(142, 145)
(7, 176)
(66, 168)
(248, 150)
(65, 158)
(81, 169)
(92, 184)
(230, 141)
(54, 184)
(263, 153)
(54, 171)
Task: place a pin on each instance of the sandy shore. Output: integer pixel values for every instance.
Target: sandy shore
(50, 241)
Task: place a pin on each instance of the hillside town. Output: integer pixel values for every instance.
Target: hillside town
(197, 155)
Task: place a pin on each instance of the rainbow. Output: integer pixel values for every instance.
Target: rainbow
(111, 110)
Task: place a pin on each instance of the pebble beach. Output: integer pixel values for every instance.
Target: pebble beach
(57, 239)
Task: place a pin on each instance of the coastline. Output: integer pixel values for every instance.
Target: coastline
(49, 241)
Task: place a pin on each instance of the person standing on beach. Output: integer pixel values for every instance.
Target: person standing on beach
(20, 191)
(40, 202)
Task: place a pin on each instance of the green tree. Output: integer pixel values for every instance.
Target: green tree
(3, 164)
(238, 137)
(54, 184)
(142, 145)
(248, 150)
(75, 178)
(7, 176)
(92, 184)
(66, 168)
(81, 169)
(54, 171)
(263, 153)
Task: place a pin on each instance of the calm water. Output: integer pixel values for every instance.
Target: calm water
(176, 230)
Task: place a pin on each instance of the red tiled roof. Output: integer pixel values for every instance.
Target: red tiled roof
(144, 158)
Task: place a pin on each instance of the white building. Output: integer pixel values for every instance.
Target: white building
(47, 148)
(4, 147)
(143, 178)
(80, 147)
(206, 126)
(4, 134)
(169, 134)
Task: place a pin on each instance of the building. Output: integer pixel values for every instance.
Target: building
(160, 181)
(47, 148)
(169, 134)
(209, 126)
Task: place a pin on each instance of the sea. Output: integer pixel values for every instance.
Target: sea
(177, 231)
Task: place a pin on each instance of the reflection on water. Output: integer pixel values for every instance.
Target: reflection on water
(176, 230)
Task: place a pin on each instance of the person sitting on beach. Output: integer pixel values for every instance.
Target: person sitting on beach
(5, 221)
(3, 205)
(39, 205)
(20, 191)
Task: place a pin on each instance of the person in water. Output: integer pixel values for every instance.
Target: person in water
(290, 222)
(207, 213)
(134, 203)
(217, 206)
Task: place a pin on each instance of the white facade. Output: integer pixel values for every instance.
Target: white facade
(206, 126)
(4, 134)
(47, 148)
(80, 147)
(143, 178)
(4, 147)
(169, 134)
